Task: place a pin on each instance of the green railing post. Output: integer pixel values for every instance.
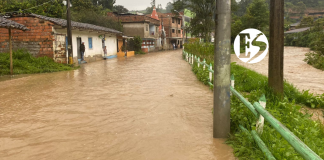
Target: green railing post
(259, 142)
(262, 146)
(232, 82)
(293, 140)
(204, 62)
(198, 62)
(210, 73)
(246, 102)
(186, 57)
(260, 121)
(192, 59)
(189, 58)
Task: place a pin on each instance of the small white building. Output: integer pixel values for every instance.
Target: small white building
(94, 38)
(48, 37)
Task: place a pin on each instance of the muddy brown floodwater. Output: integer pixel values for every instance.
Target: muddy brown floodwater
(145, 107)
(296, 71)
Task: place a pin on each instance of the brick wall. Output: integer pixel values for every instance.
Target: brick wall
(38, 41)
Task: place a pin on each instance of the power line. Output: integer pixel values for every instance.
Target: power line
(20, 11)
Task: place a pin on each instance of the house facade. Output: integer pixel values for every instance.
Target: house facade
(140, 25)
(171, 30)
(48, 37)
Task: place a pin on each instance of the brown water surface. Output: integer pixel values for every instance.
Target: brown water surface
(145, 107)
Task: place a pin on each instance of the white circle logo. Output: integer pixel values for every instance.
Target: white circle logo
(250, 35)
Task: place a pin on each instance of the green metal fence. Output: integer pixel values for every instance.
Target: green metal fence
(259, 111)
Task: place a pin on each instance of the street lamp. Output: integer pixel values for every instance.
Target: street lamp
(183, 39)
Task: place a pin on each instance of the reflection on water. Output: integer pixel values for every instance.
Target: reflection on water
(144, 107)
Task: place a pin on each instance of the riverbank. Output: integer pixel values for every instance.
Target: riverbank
(287, 110)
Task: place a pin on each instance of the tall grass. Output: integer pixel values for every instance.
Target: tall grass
(287, 110)
(24, 63)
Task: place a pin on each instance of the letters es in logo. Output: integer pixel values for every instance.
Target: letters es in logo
(250, 35)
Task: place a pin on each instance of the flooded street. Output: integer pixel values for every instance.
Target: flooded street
(144, 107)
(296, 71)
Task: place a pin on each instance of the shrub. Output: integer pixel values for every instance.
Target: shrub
(24, 63)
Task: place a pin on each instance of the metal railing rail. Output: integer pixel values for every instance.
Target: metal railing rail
(259, 111)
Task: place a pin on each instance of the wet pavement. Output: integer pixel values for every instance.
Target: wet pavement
(144, 107)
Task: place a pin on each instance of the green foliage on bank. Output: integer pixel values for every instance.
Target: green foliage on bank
(24, 63)
(287, 110)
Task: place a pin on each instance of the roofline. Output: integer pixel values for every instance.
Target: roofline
(64, 23)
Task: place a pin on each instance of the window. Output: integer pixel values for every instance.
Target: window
(178, 31)
(90, 42)
(146, 27)
(179, 21)
(157, 29)
(172, 20)
(173, 30)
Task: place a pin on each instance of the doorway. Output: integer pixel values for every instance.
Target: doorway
(78, 47)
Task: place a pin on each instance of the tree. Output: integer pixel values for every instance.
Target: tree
(168, 7)
(243, 4)
(120, 9)
(51, 9)
(106, 4)
(203, 22)
(152, 2)
(288, 7)
(257, 15)
(300, 7)
(149, 10)
(97, 18)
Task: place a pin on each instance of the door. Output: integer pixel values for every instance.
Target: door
(78, 47)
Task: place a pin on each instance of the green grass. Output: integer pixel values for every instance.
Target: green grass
(24, 63)
(252, 85)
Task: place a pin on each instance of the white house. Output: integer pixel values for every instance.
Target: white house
(48, 37)
(94, 38)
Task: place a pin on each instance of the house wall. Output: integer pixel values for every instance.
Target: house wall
(134, 29)
(96, 52)
(38, 41)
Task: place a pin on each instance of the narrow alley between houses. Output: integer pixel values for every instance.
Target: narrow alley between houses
(144, 107)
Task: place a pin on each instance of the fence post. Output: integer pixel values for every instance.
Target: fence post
(260, 121)
(192, 59)
(204, 64)
(198, 62)
(232, 82)
(189, 58)
(186, 56)
(210, 73)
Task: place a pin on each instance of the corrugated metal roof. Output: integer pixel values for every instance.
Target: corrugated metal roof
(298, 30)
(6, 23)
(79, 25)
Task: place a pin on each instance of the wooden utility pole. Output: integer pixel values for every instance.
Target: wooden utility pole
(276, 46)
(69, 32)
(222, 61)
(10, 52)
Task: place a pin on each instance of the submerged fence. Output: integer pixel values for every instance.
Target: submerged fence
(259, 111)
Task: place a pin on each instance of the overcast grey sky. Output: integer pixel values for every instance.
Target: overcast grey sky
(139, 4)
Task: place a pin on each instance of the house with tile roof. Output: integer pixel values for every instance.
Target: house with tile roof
(48, 37)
